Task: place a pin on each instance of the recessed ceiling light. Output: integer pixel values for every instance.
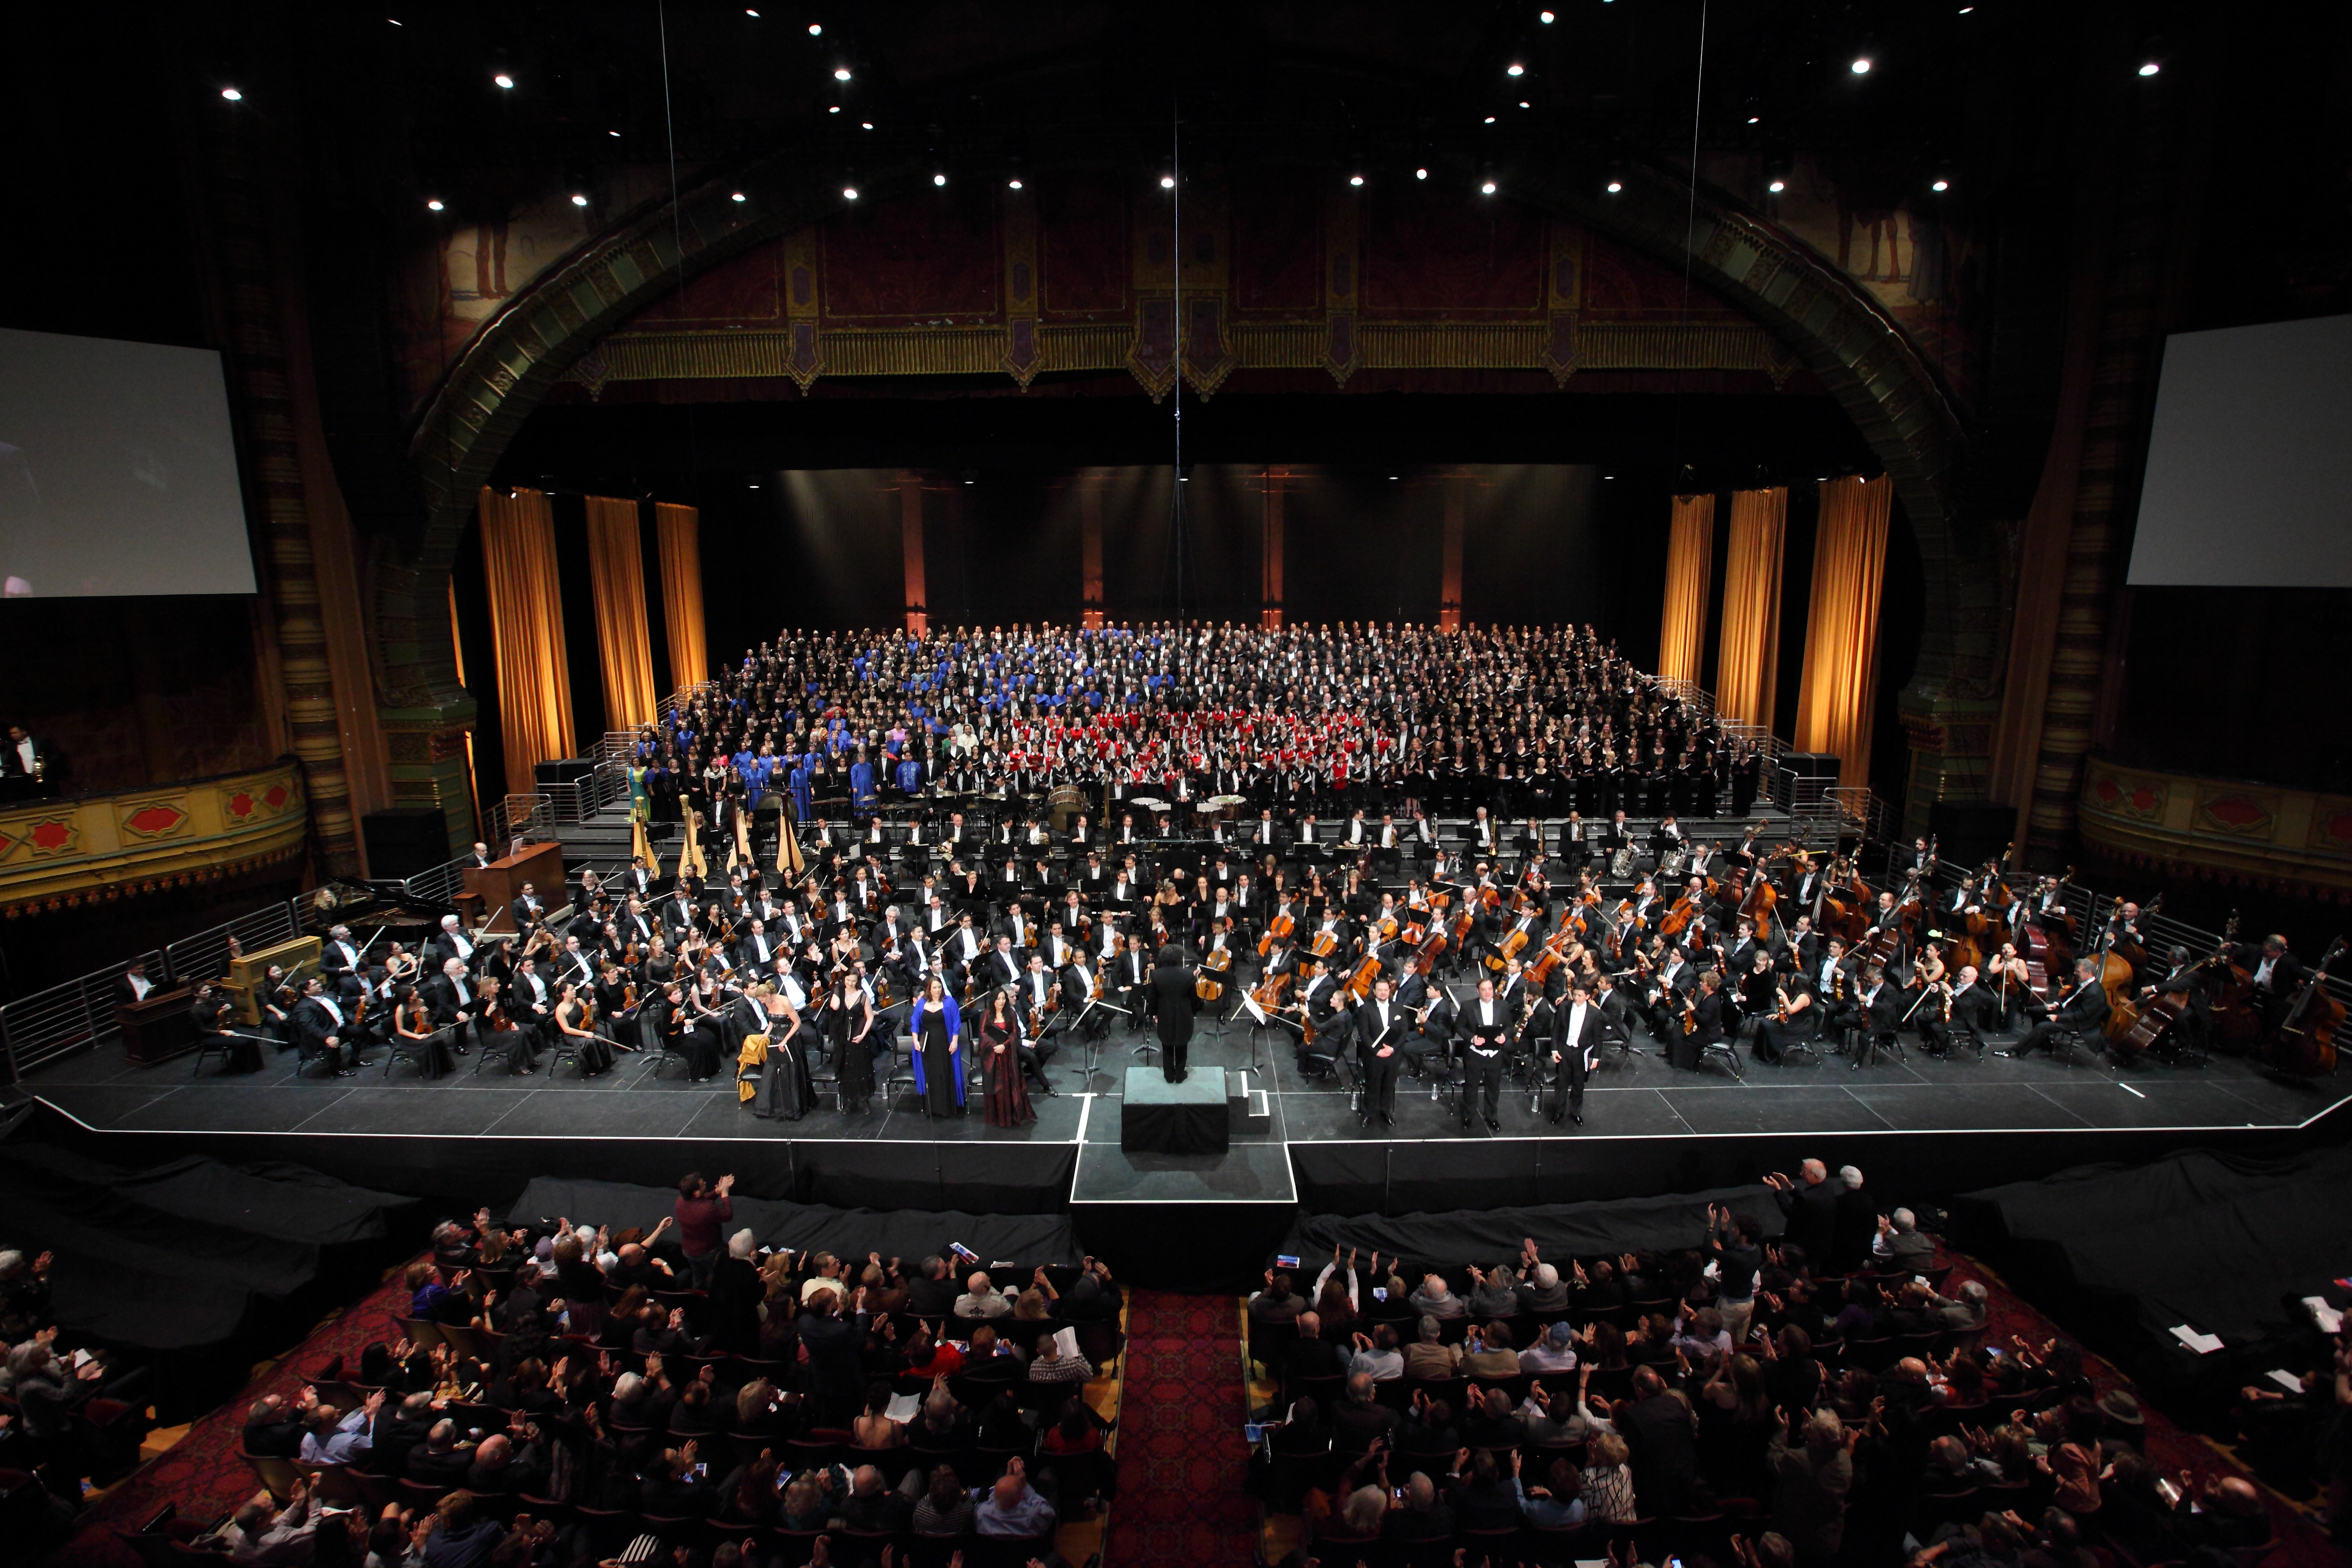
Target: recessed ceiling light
(1545, 17)
(232, 95)
(834, 110)
(505, 81)
(578, 200)
(612, 133)
(939, 179)
(1777, 186)
(1755, 119)
(841, 73)
(1421, 174)
(1355, 179)
(1012, 184)
(816, 30)
(866, 124)
(754, 15)
(1861, 65)
(395, 21)
(1514, 69)
(1615, 187)
(1941, 185)
(1167, 182)
(849, 192)
(737, 196)
(2150, 69)
(434, 205)
(1490, 119)
(1487, 188)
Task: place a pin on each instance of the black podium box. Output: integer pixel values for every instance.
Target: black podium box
(1157, 1116)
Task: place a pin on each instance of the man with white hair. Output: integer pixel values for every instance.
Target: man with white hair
(449, 1001)
(1809, 1203)
(1855, 1226)
(1899, 1242)
(452, 941)
(1967, 1312)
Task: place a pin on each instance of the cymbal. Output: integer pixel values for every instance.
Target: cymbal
(1219, 801)
(1147, 803)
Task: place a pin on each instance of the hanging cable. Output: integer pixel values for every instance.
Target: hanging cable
(1176, 297)
(1690, 234)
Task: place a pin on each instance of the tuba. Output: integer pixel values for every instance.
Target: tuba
(1620, 864)
(1671, 864)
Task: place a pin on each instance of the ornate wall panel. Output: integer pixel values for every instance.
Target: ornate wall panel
(2218, 830)
(61, 854)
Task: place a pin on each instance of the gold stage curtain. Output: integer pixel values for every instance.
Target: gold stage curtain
(527, 630)
(1840, 685)
(681, 570)
(623, 646)
(1690, 559)
(1747, 646)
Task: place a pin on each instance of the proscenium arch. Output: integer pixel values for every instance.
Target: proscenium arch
(1838, 332)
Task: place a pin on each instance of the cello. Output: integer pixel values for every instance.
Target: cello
(2304, 1046)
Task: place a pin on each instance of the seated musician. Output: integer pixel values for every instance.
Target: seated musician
(1971, 1010)
(215, 1026)
(2082, 1010)
(1792, 1017)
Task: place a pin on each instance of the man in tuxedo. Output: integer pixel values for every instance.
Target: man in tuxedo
(322, 1023)
(25, 756)
(755, 956)
(133, 985)
(1881, 1006)
(1575, 1051)
(1380, 1052)
(481, 857)
(2276, 974)
(449, 1001)
(1487, 1028)
(340, 955)
(1172, 1003)
(526, 911)
(2082, 1010)
(1972, 1014)
(1130, 977)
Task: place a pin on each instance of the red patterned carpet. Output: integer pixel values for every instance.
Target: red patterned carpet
(204, 1473)
(1181, 1461)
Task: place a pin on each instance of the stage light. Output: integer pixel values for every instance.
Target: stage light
(755, 17)
(395, 21)
(1487, 188)
(1777, 186)
(1012, 184)
(849, 192)
(939, 179)
(505, 82)
(1755, 119)
(737, 196)
(433, 206)
(1355, 179)
(1525, 104)
(1861, 65)
(1545, 17)
(1514, 69)
(841, 73)
(232, 95)
(2150, 69)
(834, 110)
(1490, 119)
(1167, 182)
(1615, 187)
(1941, 185)
(612, 133)
(866, 125)
(816, 30)
(578, 200)
(1421, 174)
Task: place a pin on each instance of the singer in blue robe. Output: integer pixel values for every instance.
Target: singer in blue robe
(937, 1029)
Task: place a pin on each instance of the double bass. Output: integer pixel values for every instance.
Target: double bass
(2118, 960)
(2304, 1046)
(2160, 1012)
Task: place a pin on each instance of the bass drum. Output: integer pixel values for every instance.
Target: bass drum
(1064, 808)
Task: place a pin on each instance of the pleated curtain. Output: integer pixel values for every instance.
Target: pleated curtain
(624, 652)
(681, 568)
(1747, 646)
(526, 631)
(1690, 558)
(1841, 683)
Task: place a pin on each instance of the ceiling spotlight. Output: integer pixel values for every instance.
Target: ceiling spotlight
(1615, 187)
(816, 30)
(433, 205)
(841, 73)
(939, 179)
(232, 95)
(1545, 17)
(1487, 188)
(1421, 174)
(1490, 119)
(834, 110)
(866, 125)
(504, 81)
(737, 196)
(1966, 9)
(395, 21)
(1861, 65)
(1777, 186)
(1167, 182)
(849, 192)
(612, 133)
(1355, 179)
(1013, 183)
(1524, 104)
(2150, 69)
(1941, 185)
(1755, 119)
(579, 200)
(1514, 69)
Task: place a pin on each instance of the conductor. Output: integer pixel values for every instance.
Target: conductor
(1172, 1005)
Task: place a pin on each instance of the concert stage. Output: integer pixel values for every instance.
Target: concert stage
(1925, 1127)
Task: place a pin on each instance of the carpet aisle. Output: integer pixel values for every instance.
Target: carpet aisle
(1181, 1461)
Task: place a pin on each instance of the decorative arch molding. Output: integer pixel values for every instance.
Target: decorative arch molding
(1858, 353)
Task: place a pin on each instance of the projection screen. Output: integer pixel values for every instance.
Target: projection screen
(2249, 460)
(118, 470)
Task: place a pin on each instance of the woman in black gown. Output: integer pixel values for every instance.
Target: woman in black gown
(706, 1027)
(784, 1087)
(572, 1020)
(431, 1045)
(849, 1019)
(939, 1049)
(1007, 1097)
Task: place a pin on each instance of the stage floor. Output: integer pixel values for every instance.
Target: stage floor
(1640, 1097)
